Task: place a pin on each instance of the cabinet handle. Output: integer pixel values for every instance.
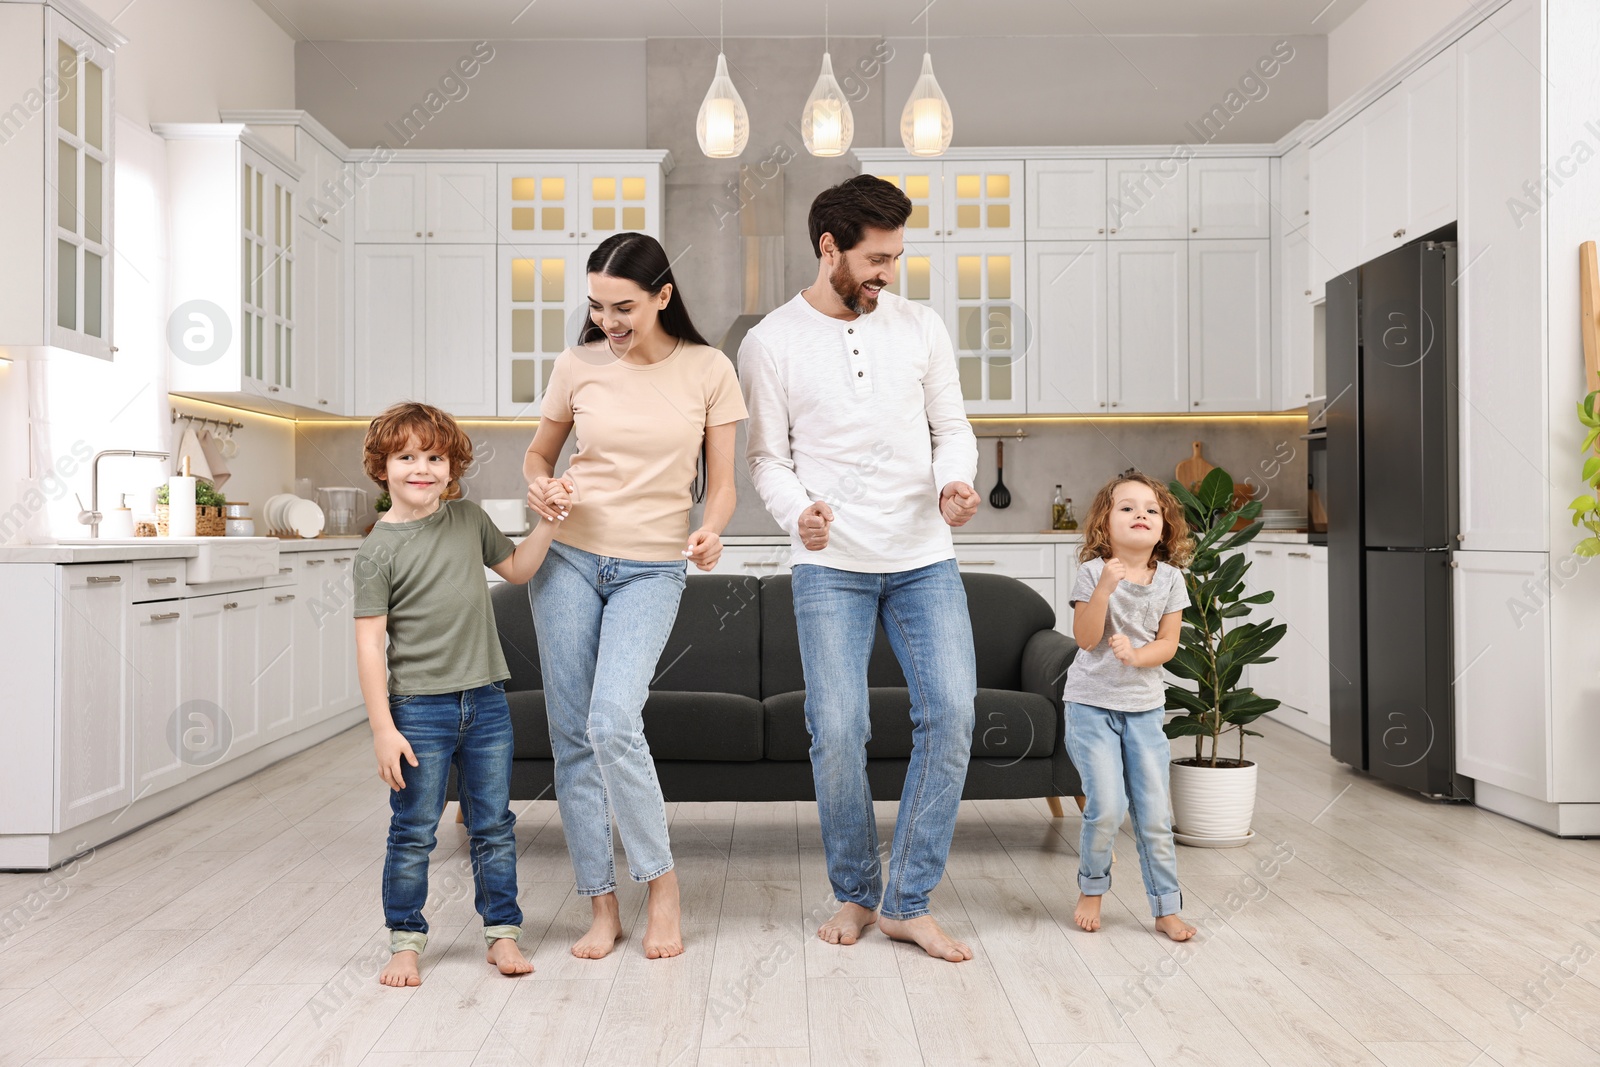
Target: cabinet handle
(1307, 211)
(759, 563)
(1401, 232)
(315, 562)
(272, 388)
(114, 348)
(1301, 555)
(1197, 403)
(1308, 292)
(165, 615)
(1308, 396)
(281, 599)
(323, 219)
(977, 562)
(230, 604)
(109, 579)
(324, 403)
(583, 234)
(341, 559)
(168, 580)
(285, 570)
(1113, 403)
(1113, 229)
(1102, 403)
(1263, 551)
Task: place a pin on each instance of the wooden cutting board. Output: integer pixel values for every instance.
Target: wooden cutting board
(1191, 470)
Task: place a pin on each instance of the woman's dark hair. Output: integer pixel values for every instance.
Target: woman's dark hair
(640, 259)
(854, 205)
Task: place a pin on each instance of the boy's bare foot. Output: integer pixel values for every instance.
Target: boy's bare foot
(1175, 928)
(663, 936)
(401, 970)
(505, 954)
(847, 924)
(924, 931)
(604, 929)
(1087, 915)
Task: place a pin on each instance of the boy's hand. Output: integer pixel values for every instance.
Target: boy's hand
(1114, 571)
(389, 747)
(705, 548)
(1122, 649)
(551, 497)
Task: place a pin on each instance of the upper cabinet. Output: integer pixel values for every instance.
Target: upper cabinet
(411, 203)
(56, 157)
(1066, 199)
(955, 200)
(1147, 199)
(1230, 198)
(577, 203)
(1294, 201)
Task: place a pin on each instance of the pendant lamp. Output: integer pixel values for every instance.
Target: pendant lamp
(723, 125)
(826, 125)
(926, 123)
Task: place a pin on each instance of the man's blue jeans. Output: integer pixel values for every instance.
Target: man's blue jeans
(924, 614)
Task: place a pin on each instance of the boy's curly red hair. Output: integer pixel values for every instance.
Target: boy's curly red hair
(1176, 547)
(434, 430)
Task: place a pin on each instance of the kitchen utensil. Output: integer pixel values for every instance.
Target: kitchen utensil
(245, 527)
(1196, 467)
(304, 517)
(1317, 514)
(509, 515)
(228, 447)
(1242, 495)
(345, 507)
(272, 514)
(1000, 496)
(211, 448)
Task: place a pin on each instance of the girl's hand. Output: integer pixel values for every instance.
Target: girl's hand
(1114, 571)
(705, 548)
(389, 747)
(551, 497)
(1122, 649)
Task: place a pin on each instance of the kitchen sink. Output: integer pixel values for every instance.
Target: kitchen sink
(218, 559)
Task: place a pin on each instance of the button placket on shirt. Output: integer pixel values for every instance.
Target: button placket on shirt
(858, 363)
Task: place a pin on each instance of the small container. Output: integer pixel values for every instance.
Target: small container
(245, 527)
(1068, 521)
(345, 508)
(118, 522)
(1058, 511)
(236, 509)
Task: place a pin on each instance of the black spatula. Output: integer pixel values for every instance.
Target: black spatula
(1000, 496)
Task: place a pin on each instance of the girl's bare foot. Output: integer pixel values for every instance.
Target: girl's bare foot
(1087, 915)
(663, 936)
(401, 970)
(505, 954)
(1175, 928)
(847, 924)
(924, 931)
(604, 929)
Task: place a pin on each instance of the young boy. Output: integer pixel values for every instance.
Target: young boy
(420, 587)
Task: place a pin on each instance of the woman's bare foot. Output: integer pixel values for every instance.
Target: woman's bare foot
(604, 929)
(1175, 928)
(847, 924)
(401, 970)
(924, 931)
(505, 954)
(1087, 915)
(663, 936)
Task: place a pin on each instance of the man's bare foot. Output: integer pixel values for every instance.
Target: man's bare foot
(505, 954)
(401, 970)
(924, 931)
(1175, 928)
(847, 924)
(663, 936)
(1087, 915)
(604, 929)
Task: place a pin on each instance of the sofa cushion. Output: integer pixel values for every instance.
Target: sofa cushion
(1008, 725)
(714, 645)
(1004, 612)
(722, 727)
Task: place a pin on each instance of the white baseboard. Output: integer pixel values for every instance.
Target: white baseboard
(1562, 820)
(1296, 719)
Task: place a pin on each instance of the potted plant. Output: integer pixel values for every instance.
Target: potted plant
(1213, 797)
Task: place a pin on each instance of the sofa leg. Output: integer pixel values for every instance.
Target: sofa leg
(1083, 802)
(1055, 807)
(461, 815)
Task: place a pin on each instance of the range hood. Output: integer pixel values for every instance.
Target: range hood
(761, 233)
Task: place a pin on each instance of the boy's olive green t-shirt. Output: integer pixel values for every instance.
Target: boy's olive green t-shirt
(427, 577)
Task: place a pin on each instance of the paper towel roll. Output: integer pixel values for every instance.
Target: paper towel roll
(180, 506)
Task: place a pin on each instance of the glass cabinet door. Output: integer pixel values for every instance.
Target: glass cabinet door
(80, 166)
(923, 185)
(281, 371)
(984, 287)
(983, 201)
(255, 213)
(538, 203)
(921, 276)
(618, 199)
(540, 309)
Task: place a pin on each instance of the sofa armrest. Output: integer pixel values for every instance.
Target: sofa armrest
(1045, 659)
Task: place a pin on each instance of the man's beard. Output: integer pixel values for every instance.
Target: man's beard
(848, 288)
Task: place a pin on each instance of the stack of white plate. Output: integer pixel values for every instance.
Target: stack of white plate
(287, 515)
(1283, 519)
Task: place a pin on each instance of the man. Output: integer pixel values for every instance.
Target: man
(860, 448)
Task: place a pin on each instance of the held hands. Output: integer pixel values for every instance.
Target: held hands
(389, 747)
(958, 502)
(813, 525)
(705, 548)
(1123, 650)
(552, 497)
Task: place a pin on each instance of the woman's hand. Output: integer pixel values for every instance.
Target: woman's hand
(551, 497)
(705, 548)
(389, 747)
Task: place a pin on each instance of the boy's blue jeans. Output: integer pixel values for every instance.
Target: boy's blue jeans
(471, 729)
(1122, 758)
(924, 615)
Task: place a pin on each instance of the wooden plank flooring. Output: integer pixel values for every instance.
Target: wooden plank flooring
(1364, 926)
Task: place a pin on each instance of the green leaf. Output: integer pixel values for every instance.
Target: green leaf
(1585, 415)
(1259, 598)
(1581, 504)
(1591, 466)
(1184, 497)
(1589, 439)
(1589, 546)
(1186, 726)
(1215, 491)
(1179, 697)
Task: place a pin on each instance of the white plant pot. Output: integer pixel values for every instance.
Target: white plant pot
(1213, 802)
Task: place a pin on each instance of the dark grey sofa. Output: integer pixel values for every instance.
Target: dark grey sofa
(725, 719)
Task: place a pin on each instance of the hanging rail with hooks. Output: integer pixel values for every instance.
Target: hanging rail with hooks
(221, 424)
(1014, 435)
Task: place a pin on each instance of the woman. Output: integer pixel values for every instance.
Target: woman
(648, 398)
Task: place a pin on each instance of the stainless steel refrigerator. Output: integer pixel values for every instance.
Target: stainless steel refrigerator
(1392, 516)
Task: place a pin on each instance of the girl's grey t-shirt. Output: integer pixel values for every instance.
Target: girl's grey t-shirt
(1096, 676)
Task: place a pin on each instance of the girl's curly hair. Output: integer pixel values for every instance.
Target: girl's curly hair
(435, 432)
(1176, 547)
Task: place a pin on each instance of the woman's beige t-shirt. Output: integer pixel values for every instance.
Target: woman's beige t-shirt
(639, 429)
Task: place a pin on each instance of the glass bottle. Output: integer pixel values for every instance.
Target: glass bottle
(1069, 522)
(1058, 512)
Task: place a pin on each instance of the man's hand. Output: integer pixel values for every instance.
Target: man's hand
(1122, 649)
(705, 548)
(813, 525)
(1114, 572)
(958, 502)
(389, 747)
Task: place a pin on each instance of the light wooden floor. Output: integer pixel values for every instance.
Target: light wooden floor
(246, 930)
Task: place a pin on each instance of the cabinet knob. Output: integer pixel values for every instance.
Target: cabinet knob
(323, 219)
(1308, 292)
(1101, 230)
(1307, 211)
(1113, 229)
(430, 233)
(585, 234)
(573, 234)
(1308, 396)
(1197, 403)
(230, 604)
(324, 403)
(1113, 403)
(1102, 403)
(1461, 537)
(1194, 229)
(114, 348)
(1401, 232)
(419, 233)
(1454, 563)
(272, 388)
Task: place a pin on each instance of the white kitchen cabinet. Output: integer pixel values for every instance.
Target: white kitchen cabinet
(324, 619)
(618, 198)
(1147, 199)
(1409, 158)
(414, 203)
(459, 328)
(1295, 185)
(540, 286)
(538, 203)
(988, 327)
(240, 637)
(392, 204)
(1269, 567)
(923, 184)
(1294, 372)
(578, 203)
(319, 305)
(389, 307)
(1337, 220)
(306, 634)
(1502, 377)
(345, 693)
(325, 186)
(959, 200)
(1147, 326)
(56, 75)
(1230, 198)
(160, 670)
(92, 742)
(1230, 325)
(1384, 166)
(1306, 586)
(1067, 360)
(1502, 706)
(1066, 199)
(275, 653)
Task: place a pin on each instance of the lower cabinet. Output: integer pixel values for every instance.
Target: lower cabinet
(92, 741)
(1298, 577)
(324, 633)
(161, 663)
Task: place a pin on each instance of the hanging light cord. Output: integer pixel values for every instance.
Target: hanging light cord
(824, 27)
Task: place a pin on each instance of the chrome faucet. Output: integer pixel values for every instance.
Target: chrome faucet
(91, 516)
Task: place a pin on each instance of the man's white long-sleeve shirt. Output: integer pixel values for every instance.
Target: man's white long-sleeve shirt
(865, 415)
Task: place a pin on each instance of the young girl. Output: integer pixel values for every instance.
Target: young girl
(1127, 611)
